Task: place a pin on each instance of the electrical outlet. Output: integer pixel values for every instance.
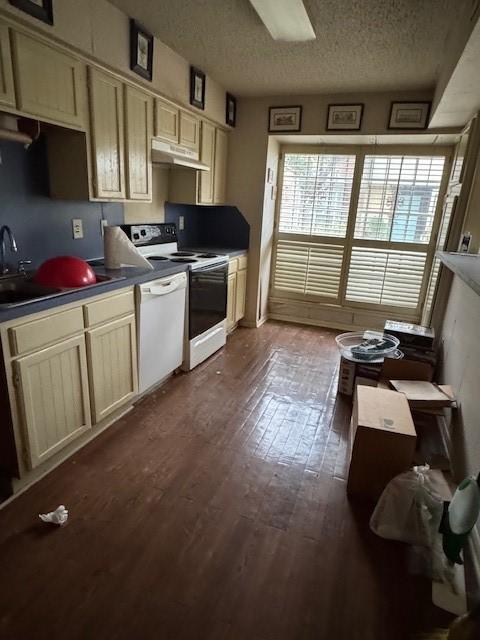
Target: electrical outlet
(181, 223)
(77, 228)
(103, 224)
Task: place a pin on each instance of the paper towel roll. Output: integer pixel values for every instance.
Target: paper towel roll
(119, 251)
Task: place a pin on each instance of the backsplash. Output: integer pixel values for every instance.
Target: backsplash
(43, 226)
(215, 227)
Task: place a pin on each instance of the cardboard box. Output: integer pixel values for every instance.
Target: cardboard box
(411, 335)
(349, 371)
(383, 439)
(421, 394)
(406, 369)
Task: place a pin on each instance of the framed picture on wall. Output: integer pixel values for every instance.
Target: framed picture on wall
(40, 9)
(284, 119)
(409, 115)
(344, 117)
(197, 88)
(231, 110)
(141, 50)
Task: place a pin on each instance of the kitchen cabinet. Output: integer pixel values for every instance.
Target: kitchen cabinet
(52, 388)
(107, 128)
(49, 83)
(167, 117)
(189, 136)
(138, 139)
(207, 155)
(220, 167)
(236, 291)
(112, 363)
(7, 89)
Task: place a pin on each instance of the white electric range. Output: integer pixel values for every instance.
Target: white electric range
(206, 304)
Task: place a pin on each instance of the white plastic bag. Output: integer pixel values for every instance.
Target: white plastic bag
(408, 510)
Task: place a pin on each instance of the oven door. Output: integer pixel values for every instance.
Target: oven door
(207, 298)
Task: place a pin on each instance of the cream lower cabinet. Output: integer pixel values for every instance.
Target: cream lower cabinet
(52, 389)
(7, 89)
(236, 291)
(112, 364)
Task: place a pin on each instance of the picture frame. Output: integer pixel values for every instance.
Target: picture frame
(40, 9)
(141, 50)
(284, 119)
(197, 88)
(344, 117)
(409, 115)
(230, 110)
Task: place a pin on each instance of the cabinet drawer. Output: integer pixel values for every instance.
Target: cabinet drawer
(233, 265)
(49, 330)
(108, 308)
(242, 262)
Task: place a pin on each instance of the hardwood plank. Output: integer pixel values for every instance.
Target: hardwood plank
(216, 509)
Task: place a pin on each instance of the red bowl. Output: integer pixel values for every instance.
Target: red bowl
(65, 272)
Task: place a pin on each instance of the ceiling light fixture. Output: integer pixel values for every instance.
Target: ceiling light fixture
(285, 19)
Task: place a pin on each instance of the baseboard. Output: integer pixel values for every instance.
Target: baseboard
(312, 322)
(254, 324)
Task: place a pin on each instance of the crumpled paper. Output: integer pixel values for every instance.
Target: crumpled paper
(58, 517)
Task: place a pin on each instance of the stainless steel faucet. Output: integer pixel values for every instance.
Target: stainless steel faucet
(4, 268)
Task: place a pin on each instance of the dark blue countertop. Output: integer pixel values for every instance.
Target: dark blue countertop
(129, 276)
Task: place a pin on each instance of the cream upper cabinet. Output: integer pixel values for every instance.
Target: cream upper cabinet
(112, 360)
(106, 105)
(138, 139)
(7, 89)
(52, 389)
(189, 131)
(207, 154)
(49, 83)
(240, 294)
(220, 169)
(166, 121)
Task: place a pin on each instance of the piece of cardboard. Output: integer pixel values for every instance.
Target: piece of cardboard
(383, 440)
(422, 394)
(406, 370)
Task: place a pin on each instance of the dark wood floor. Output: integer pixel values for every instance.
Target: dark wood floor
(215, 510)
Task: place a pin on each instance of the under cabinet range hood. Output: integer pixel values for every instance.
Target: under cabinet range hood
(168, 153)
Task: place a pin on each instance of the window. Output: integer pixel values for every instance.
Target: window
(368, 248)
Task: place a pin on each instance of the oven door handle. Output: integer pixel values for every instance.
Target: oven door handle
(163, 289)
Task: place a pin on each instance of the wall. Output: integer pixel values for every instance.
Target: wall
(97, 28)
(248, 149)
(43, 227)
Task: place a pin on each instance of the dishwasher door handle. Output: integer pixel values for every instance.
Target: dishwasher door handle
(163, 289)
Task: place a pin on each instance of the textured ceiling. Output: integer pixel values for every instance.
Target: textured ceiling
(361, 45)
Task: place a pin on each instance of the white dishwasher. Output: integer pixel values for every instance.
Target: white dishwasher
(161, 325)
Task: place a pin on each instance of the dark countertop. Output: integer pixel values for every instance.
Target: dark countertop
(129, 276)
(222, 251)
(465, 265)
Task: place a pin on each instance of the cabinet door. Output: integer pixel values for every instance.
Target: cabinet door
(231, 300)
(7, 91)
(207, 155)
(220, 172)
(139, 124)
(50, 84)
(106, 104)
(189, 131)
(52, 387)
(112, 364)
(240, 294)
(166, 121)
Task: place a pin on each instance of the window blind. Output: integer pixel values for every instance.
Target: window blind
(398, 198)
(306, 268)
(316, 192)
(385, 277)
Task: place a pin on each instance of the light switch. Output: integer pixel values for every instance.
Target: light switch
(181, 223)
(77, 228)
(103, 224)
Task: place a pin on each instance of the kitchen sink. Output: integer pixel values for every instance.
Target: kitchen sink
(19, 289)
